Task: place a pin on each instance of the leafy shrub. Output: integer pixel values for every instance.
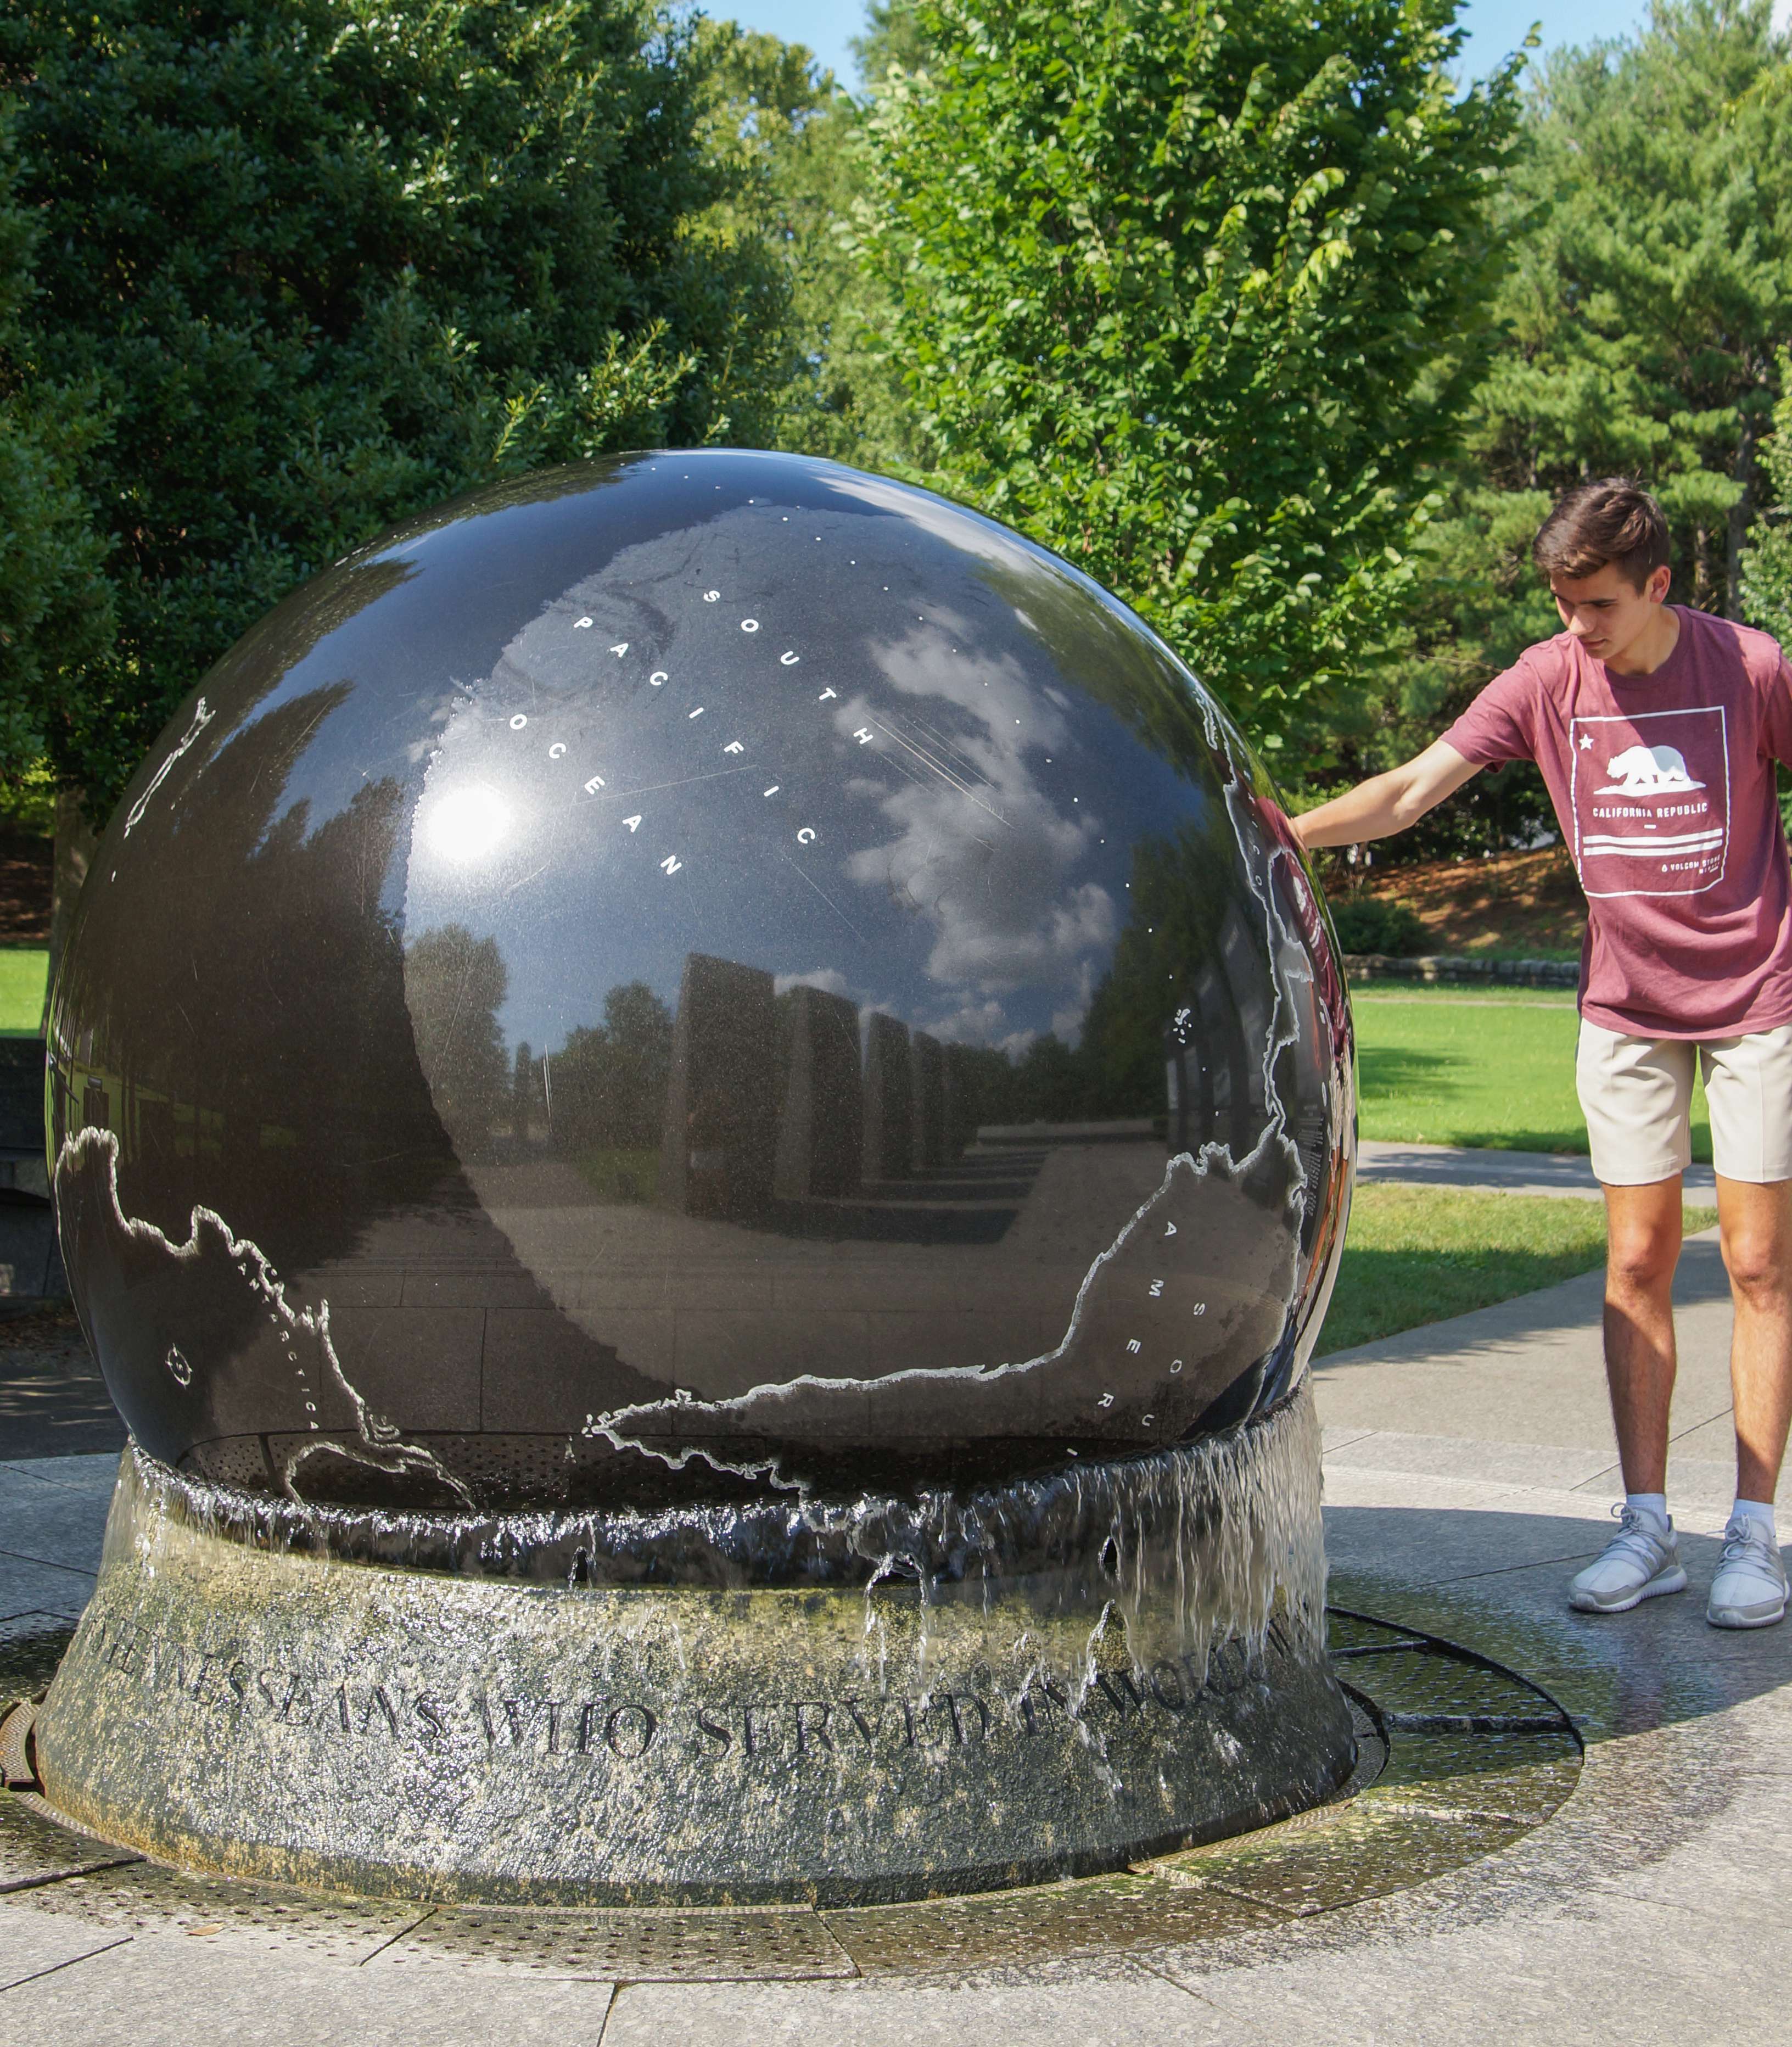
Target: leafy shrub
(1369, 924)
(313, 264)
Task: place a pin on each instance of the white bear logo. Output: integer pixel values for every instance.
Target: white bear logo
(1648, 771)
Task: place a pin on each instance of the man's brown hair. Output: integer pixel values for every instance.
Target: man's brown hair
(1612, 521)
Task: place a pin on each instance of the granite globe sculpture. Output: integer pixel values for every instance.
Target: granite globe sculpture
(701, 1115)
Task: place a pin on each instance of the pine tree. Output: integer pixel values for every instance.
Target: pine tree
(1653, 279)
(1650, 219)
(56, 609)
(1767, 566)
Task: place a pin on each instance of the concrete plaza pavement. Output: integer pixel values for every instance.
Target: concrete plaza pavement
(1552, 1173)
(1470, 1468)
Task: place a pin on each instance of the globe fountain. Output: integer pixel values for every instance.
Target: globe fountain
(702, 1115)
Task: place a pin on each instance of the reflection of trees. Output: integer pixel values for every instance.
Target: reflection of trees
(1192, 949)
(527, 1099)
(455, 985)
(1051, 1083)
(220, 1023)
(985, 1089)
(608, 1081)
(276, 643)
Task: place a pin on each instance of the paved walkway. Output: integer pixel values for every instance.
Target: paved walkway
(1469, 1469)
(1507, 1172)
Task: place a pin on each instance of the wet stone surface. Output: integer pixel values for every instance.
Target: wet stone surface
(1419, 1806)
(1519, 1777)
(277, 1716)
(1007, 1929)
(1366, 1852)
(141, 1896)
(36, 1851)
(28, 1659)
(717, 1946)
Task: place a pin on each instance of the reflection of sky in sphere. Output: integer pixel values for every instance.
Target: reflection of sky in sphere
(856, 730)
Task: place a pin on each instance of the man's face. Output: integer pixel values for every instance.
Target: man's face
(1607, 613)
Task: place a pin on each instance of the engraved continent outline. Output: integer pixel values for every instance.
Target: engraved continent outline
(380, 1445)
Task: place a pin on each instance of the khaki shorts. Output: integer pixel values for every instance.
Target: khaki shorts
(1637, 1094)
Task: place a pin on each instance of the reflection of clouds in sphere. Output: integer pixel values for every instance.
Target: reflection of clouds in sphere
(829, 980)
(997, 897)
(466, 825)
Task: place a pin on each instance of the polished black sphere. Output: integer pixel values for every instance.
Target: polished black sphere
(690, 975)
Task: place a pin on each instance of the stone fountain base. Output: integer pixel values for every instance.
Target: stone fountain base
(296, 1717)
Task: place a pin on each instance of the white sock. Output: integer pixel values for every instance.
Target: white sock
(1760, 1511)
(1654, 1504)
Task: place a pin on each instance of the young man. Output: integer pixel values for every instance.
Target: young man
(1657, 729)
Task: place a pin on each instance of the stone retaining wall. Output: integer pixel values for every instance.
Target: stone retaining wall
(1467, 967)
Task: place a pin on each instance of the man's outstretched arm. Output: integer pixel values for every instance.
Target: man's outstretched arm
(1387, 803)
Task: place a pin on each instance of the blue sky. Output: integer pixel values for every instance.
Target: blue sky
(1496, 26)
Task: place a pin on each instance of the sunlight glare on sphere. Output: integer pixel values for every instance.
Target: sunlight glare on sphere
(467, 824)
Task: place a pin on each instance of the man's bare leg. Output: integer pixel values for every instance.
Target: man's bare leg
(1642, 1248)
(1754, 1226)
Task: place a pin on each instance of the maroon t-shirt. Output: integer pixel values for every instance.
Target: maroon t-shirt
(1664, 787)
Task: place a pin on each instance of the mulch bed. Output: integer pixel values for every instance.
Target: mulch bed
(1520, 904)
(26, 872)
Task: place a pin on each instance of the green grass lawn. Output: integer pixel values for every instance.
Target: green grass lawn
(1441, 1067)
(22, 970)
(1417, 1255)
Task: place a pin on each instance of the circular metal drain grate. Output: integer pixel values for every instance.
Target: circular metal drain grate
(1458, 1757)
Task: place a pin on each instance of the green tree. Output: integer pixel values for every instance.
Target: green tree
(1653, 281)
(321, 262)
(795, 141)
(56, 609)
(1193, 296)
(1649, 215)
(1767, 566)
(1476, 603)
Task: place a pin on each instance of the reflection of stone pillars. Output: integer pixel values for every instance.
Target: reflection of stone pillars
(1192, 1065)
(716, 1155)
(961, 1100)
(822, 1125)
(929, 1102)
(888, 1100)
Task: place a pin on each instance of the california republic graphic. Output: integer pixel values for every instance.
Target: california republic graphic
(1647, 771)
(1651, 801)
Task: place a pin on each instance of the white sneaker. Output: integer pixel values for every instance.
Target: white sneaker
(1749, 1590)
(1641, 1561)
